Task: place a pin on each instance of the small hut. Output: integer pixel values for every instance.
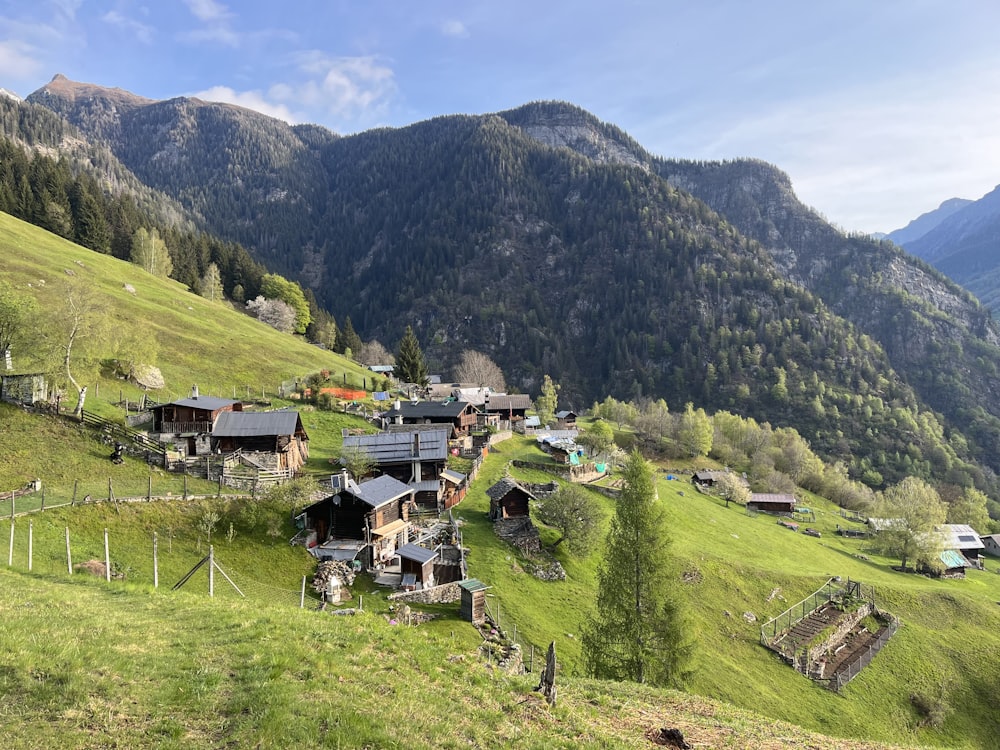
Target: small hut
(508, 499)
(473, 605)
(416, 564)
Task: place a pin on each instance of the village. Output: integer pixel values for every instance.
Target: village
(386, 508)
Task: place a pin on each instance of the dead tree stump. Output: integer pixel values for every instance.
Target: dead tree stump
(547, 684)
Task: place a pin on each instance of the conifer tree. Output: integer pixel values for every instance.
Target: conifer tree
(410, 365)
(348, 340)
(638, 631)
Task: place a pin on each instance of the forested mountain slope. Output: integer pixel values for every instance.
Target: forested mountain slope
(556, 244)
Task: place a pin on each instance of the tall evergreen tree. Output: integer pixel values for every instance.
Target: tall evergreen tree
(638, 631)
(348, 340)
(410, 365)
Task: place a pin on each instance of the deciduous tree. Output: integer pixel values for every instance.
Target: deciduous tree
(909, 510)
(150, 253)
(476, 367)
(274, 312)
(18, 311)
(547, 401)
(210, 285)
(638, 631)
(970, 508)
(576, 514)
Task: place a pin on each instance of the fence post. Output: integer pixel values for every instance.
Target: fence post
(69, 556)
(156, 566)
(12, 505)
(10, 559)
(75, 483)
(185, 485)
(149, 489)
(31, 525)
(302, 596)
(107, 558)
(43, 498)
(211, 570)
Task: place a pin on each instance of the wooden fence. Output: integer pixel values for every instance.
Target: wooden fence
(153, 450)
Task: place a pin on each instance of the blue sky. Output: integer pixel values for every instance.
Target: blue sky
(877, 110)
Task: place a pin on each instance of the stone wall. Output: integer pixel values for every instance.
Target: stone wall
(845, 626)
(446, 593)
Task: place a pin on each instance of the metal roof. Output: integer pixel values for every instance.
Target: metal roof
(416, 553)
(208, 403)
(255, 423)
(953, 559)
(393, 447)
(959, 536)
(454, 477)
(380, 490)
(765, 497)
(565, 413)
(472, 584)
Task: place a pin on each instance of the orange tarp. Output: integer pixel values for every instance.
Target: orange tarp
(345, 393)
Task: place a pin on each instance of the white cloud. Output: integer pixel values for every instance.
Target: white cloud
(357, 91)
(141, 31)
(208, 10)
(254, 100)
(455, 28)
(18, 60)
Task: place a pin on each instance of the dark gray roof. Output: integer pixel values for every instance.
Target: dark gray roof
(380, 490)
(208, 403)
(507, 401)
(429, 409)
(255, 423)
(563, 414)
(503, 487)
(398, 447)
(416, 553)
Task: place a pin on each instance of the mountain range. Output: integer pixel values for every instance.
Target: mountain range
(556, 244)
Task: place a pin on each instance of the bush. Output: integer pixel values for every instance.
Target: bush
(932, 709)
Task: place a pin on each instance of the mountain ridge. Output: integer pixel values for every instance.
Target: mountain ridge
(556, 244)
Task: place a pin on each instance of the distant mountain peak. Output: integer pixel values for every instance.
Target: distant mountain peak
(563, 125)
(927, 222)
(61, 87)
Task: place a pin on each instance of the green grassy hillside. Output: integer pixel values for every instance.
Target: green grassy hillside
(195, 341)
(93, 665)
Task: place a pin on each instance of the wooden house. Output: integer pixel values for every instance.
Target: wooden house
(415, 457)
(510, 408)
(707, 478)
(191, 416)
(27, 389)
(416, 565)
(508, 499)
(771, 503)
(270, 439)
(566, 420)
(369, 521)
(473, 603)
(461, 415)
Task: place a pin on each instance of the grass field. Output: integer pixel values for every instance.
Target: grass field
(84, 663)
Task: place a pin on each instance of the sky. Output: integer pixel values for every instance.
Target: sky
(878, 110)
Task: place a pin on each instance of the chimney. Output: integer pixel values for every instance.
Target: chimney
(416, 443)
(194, 391)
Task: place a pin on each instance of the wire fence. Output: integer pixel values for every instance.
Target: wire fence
(845, 674)
(158, 485)
(161, 559)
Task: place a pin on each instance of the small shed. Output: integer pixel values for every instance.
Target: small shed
(473, 604)
(765, 502)
(991, 544)
(962, 538)
(566, 419)
(419, 562)
(508, 499)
